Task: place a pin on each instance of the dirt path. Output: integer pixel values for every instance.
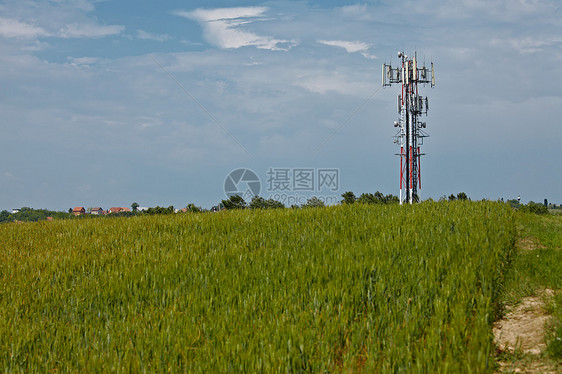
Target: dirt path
(520, 337)
(522, 329)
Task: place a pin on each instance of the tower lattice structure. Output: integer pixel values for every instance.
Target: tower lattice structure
(411, 107)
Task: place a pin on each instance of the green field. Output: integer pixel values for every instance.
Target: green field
(346, 288)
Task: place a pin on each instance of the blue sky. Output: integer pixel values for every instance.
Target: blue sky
(104, 103)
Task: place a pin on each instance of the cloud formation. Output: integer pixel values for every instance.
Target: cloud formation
(145, 35)
(102, 111)
(350, 47)
(226, 28)
(89, 30)
(10, 28)
(28, 21)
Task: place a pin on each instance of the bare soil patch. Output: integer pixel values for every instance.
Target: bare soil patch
(530, 366)
(520, 337)
(529, 243)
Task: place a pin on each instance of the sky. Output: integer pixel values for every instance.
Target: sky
(106, 103)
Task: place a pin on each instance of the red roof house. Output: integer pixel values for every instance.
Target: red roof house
(119, 209)
(78, 210)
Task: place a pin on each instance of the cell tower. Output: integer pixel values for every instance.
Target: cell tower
(411, 106)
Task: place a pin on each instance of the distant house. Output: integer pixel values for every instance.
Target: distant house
(14, 211)
(119, 209)
(78, 210)
(97, 211)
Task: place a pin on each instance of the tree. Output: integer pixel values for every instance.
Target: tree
(514, 203)
(192, 208)
(367, 198)
(452, 197)
(377, 198)
(536, 208)
(392, 199)
(314, 202)
(258, 202)
(274, 204)
(5, 216)
(462, 196)
(261, 203)
(160, 210)
(234, 202)
(348, 197)
(134, 206)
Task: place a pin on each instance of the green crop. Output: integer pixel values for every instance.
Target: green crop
(346, 288)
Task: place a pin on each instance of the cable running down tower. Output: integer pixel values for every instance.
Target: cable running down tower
(410, 135)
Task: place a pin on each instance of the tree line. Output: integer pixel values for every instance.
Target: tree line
(27, 214)
(258, 202)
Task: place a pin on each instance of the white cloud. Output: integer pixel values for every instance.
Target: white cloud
(84, 61)
(10, 28)
(239, 13)
(334, 82)
(528, 44)
(141, 34)
(359, 12)
(28, 21)
(350, 46)
(89, 30)
(504, 10)
(223, 27)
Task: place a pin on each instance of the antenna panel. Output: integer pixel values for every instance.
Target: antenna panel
(432, 76)
(385, 73)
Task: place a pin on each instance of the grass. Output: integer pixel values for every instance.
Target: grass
(347, 288)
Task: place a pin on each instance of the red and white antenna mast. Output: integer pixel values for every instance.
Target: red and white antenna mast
(410, 135)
